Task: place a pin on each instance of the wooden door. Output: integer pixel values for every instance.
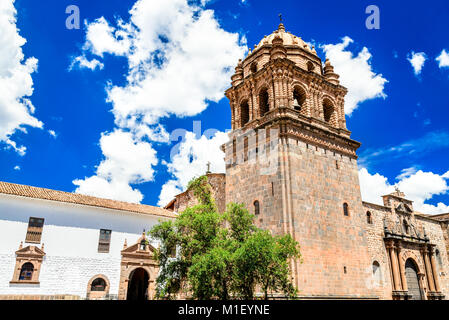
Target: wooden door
(411, 274)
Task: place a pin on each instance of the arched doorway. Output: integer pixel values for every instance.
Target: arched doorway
(138, 285)
(411, 274)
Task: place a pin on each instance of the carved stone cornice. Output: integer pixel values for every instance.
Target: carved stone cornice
(324, 140)
(30, 252)
(405, 238)
(284, 64)
(309, 130)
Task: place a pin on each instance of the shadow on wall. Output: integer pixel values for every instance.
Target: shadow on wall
(72, 215)
(24, 285)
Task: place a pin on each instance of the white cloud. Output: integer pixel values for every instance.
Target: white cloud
(127, 161)
(17, 168)
(422, 186)
(110, 189)
(407, 172)
(417, 60)
(418, 186)
(16, 84)
(191, 160)
(443, 59)
(169, 45)
(414, 148)
(179, 59)
(103, 38)
(373, 186)
(53, 133)
(83, 63)
(356, 74)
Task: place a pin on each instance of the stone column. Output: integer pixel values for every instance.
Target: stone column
(271, 93)
(421, 285)
(430, 281)
(251, 103)
(233, 111)
(289, 91)
(396, 269)
(281, 88)
(402, 269)
(341, 114)
(276, 89)
(434, 269)
(310, 102)
(316, 109)
(237, 121)
(394, 266)
(286, 89)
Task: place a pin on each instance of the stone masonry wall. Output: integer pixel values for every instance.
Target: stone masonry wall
(187, 199)
(436, 236)
(307, 200)
(378, 252)
(376, 247)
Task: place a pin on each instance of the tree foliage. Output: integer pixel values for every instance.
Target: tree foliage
(220, 256)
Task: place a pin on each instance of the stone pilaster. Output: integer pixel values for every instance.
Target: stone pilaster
(430, 281)
(394, 267)
(402, 269)
(434, 270)
(251, 103)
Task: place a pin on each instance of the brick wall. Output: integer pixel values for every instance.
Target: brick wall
(60, 276)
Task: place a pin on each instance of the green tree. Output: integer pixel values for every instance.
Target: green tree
(221, 256)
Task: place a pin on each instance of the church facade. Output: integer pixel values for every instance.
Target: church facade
(290, 159)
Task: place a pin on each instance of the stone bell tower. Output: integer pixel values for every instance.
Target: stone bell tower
(292, 162)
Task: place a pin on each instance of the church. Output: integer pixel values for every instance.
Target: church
(290, 159)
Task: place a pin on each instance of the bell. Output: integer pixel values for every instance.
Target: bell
(296, 105)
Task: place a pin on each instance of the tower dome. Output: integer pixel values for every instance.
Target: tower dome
(287, 38)
(280, 44)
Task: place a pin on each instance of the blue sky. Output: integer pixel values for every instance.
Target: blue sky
(108, 127)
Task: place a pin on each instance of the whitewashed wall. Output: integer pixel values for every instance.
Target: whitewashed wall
(70, 236)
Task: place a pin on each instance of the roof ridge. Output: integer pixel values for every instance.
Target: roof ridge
(76, 198)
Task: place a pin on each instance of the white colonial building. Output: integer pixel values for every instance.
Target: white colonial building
(59, 245)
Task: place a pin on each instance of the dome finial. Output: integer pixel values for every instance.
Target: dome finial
(281, 25)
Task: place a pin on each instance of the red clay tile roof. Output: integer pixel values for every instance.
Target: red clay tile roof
(61, 196)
